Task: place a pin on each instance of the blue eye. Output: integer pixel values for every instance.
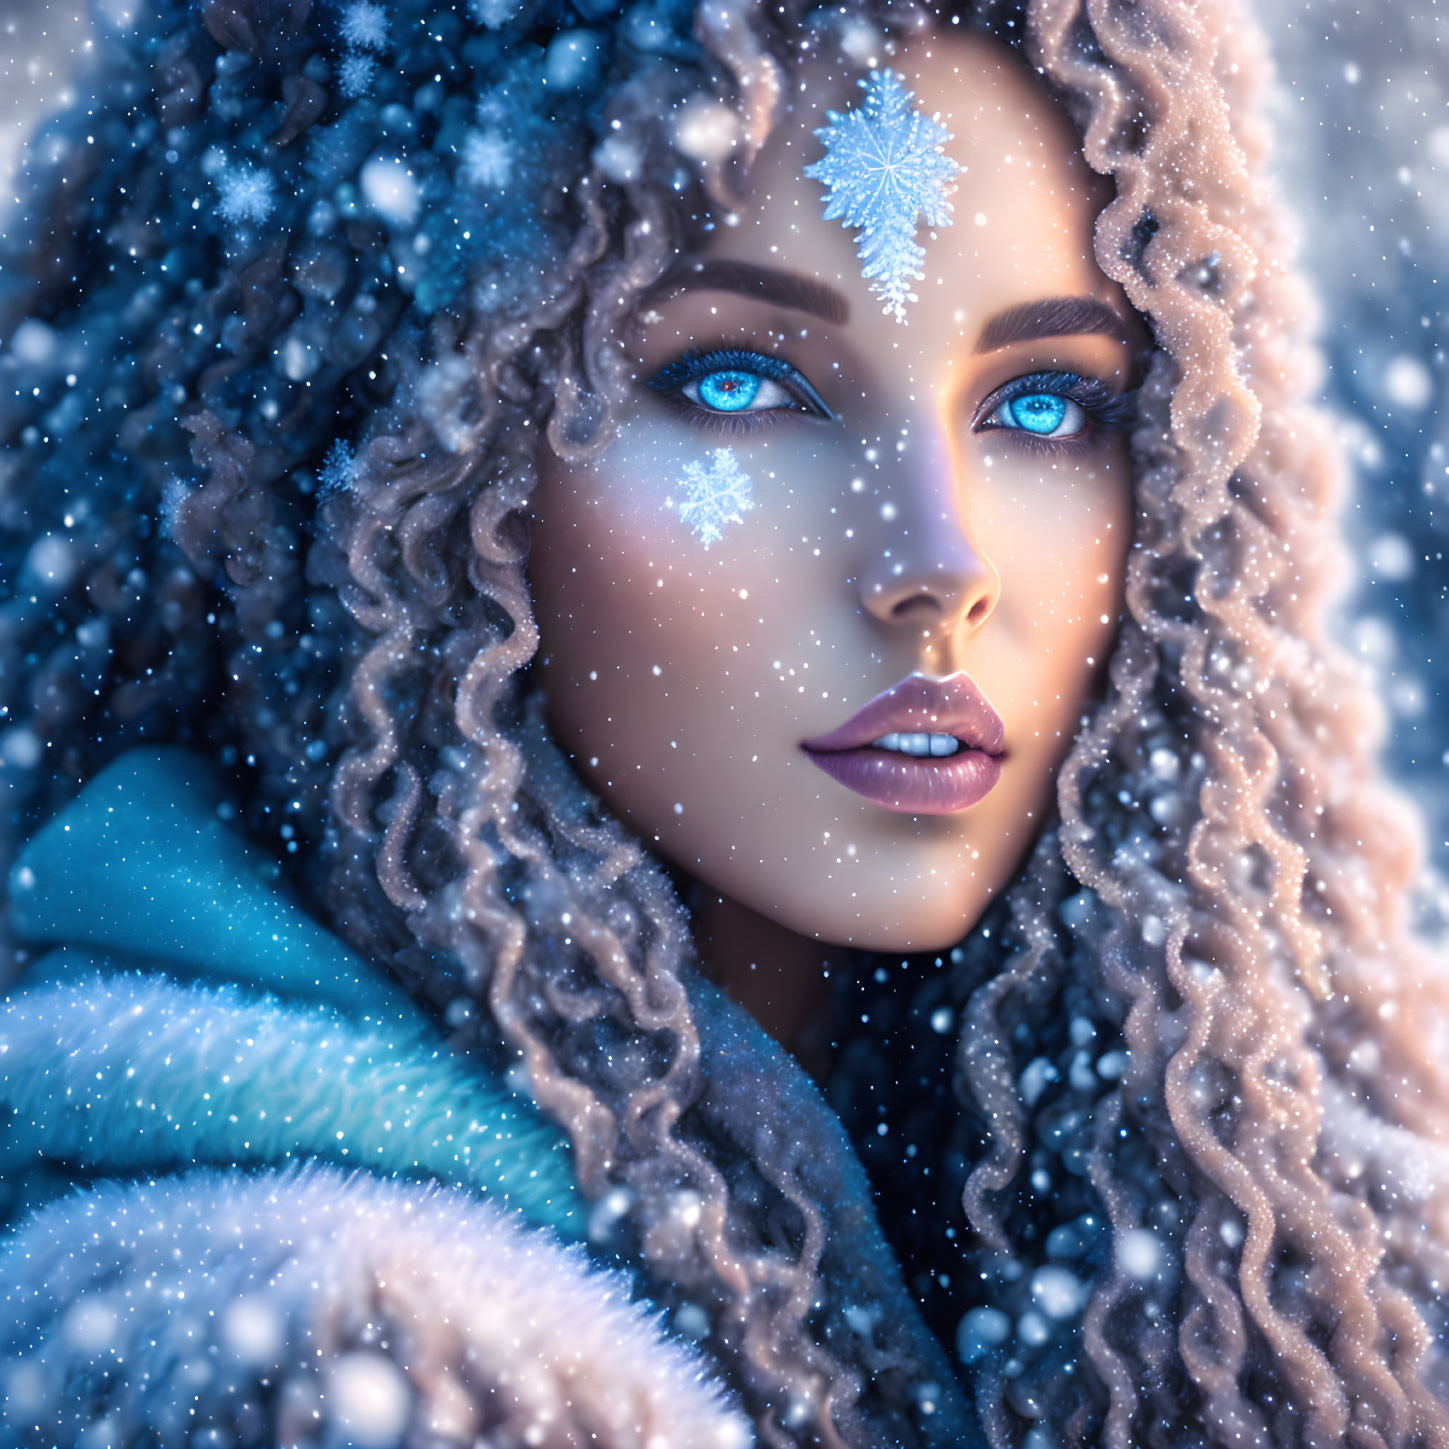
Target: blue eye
(736, 391)
(726, 385)
(730, 392)
(1044, 413)
(1056, 406)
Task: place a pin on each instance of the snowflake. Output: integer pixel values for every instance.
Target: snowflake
(487, 159)
(246, 195)
(883, 167)
(355, 73)
(365, 26)
(338, 471)
(714, 495)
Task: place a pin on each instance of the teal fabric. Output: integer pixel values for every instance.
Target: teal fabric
(196, 1014)
(192, 1013)
(143, 863)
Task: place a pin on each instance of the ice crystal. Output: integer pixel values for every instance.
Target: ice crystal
(364, 25)
(338, 471)
(715, 494)
(883, 168)
(487, 159)
(246, 195)
(355, 74)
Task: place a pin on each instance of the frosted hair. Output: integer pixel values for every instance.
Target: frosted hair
(327, 590)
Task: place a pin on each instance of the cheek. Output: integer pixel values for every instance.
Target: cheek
(676, 533)
(660, 494)
(1057, 531)
(654, 644)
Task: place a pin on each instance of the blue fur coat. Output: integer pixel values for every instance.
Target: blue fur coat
(253, 1198)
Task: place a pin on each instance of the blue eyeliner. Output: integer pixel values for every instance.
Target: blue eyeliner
(729, 380)
(1029, 399)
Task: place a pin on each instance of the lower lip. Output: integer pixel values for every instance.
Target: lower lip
(912, 785)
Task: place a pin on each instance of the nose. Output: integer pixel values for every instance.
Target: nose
(921, 567)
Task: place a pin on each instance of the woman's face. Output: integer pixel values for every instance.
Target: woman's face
(935, 512)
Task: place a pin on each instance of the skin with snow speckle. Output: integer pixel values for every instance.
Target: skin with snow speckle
(900, 537)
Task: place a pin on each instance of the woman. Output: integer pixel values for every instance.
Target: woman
(462, 316)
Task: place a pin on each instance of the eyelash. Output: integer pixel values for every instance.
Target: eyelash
(1107, 412)
(699, 362)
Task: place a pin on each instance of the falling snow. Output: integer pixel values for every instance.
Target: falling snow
(885, 175)
(391, 190)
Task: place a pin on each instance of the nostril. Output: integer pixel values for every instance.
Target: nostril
(908, 605)
(978, 611)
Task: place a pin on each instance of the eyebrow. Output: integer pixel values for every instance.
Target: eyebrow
(1052, 317)
(770, 284)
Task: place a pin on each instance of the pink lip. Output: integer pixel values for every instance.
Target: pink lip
(917, 705)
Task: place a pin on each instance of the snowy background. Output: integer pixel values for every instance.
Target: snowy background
(1364, 159)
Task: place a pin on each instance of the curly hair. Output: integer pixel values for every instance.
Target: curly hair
(281, 351)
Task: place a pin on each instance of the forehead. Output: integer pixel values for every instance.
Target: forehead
(1024, 202)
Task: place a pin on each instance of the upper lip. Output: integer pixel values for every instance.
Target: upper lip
(921, 705)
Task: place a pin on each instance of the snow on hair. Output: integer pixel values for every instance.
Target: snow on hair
(1287, 975)
(317, 1305)
(1238, 923)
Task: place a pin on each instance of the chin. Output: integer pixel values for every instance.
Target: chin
(890, 936)
(884, 920)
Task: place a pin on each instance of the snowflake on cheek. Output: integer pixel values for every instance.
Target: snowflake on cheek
(715, 494)
(883, 168)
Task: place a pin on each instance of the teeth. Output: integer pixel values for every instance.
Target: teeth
(921, 746)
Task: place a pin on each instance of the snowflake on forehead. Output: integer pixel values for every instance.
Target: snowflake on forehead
(883, 168)
(714, 495)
